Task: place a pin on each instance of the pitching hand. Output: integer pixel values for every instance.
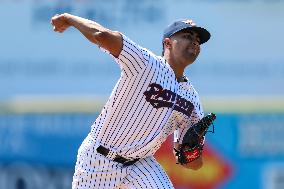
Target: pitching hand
(60, 22)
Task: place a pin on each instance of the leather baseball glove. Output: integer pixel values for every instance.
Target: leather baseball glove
(193, 141)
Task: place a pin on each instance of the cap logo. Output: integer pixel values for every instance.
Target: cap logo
(190, 22)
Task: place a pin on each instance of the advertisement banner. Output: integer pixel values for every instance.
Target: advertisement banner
(246, 151)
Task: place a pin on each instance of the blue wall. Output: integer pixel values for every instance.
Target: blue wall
(47, 144)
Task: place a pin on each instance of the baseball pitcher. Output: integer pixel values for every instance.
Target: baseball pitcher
(151, 100)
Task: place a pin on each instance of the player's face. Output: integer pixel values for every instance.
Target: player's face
(186, 46)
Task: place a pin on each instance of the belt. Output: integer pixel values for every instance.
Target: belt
(117, 158)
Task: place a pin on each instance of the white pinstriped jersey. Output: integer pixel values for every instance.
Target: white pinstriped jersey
(146, 105)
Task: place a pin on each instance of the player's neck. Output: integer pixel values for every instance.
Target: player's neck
(177, 67)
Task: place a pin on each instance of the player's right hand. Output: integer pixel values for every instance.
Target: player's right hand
(60, 22)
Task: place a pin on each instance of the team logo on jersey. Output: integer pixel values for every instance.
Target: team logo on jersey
(159, 97)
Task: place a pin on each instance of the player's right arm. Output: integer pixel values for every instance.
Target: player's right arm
(94, 32)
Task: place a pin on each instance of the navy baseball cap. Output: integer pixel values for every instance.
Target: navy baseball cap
(186, 24)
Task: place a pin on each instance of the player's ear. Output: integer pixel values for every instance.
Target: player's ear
(167, 43)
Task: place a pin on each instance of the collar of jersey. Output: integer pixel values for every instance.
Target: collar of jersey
(173, 73)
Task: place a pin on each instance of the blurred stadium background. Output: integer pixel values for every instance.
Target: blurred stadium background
(54, 85)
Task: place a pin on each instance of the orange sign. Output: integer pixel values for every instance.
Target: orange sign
(214, 172)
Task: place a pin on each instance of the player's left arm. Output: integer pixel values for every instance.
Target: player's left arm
(195, 165)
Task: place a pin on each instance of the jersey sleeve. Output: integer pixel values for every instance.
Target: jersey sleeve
(132, 58)
(196, 115)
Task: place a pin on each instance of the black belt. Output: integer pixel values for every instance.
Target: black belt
(119, 159)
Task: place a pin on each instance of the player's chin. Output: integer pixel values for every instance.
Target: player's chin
(191, 59)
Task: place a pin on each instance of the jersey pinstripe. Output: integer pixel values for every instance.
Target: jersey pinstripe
(146, 105)
(95, 171)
